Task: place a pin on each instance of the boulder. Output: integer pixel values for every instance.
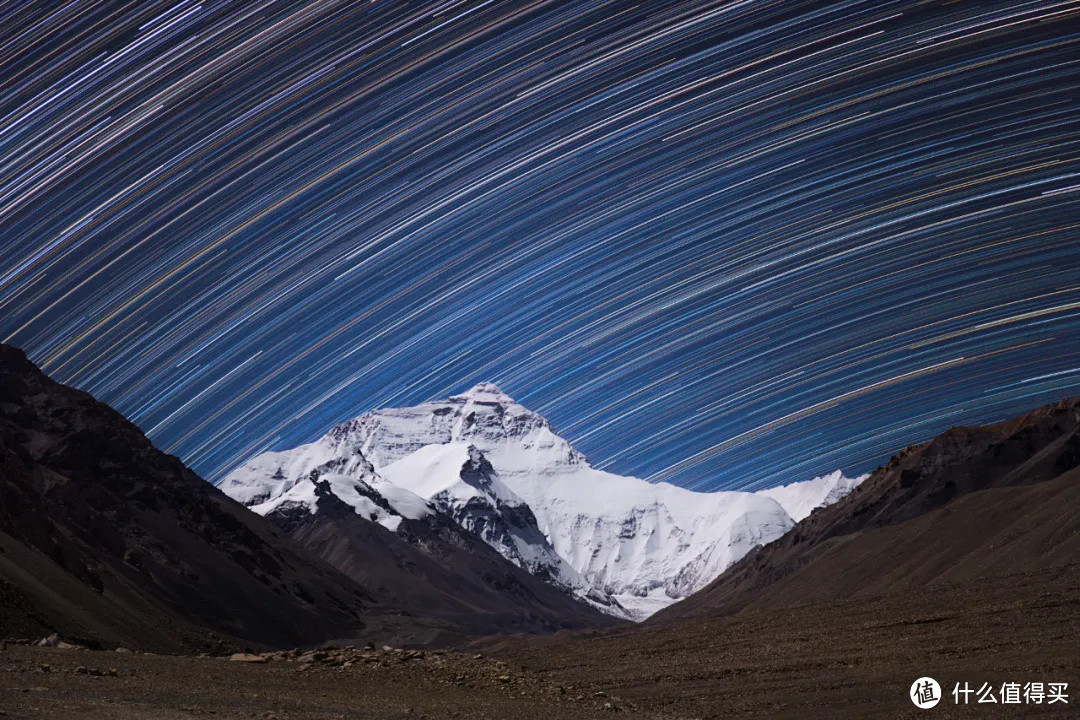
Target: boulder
(247, 658)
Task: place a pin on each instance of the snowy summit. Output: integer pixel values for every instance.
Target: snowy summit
(484, 392)
(500, 471)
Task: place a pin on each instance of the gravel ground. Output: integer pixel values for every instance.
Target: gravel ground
(854, 659)
(41, 682)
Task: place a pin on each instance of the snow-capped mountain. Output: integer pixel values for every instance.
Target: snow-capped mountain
(285, 480)
(458, 481)
(500, 470)
(453, 478)
(802, 498)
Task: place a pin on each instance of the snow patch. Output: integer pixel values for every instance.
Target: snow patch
(800, 499)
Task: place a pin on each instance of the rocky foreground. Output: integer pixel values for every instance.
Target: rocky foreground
(846, 660)
(71, 682)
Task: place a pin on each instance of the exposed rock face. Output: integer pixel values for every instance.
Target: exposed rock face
(973, 501)
(461, 484)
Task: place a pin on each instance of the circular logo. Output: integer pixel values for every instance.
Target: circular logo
(925, 693)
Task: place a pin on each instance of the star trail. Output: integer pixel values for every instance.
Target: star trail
(724, 244)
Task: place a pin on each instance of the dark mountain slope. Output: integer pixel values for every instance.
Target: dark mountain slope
(972, 503)
(957, 560)
(104, 537)
(433, 567)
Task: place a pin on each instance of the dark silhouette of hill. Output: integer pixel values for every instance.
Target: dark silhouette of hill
(972, 503)
(107, 540)
(956, 560)
(433, 567)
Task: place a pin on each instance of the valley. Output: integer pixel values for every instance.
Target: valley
(846, 659)
(541, 360)
(956, 559)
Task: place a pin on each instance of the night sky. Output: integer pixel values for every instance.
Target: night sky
(726, 244)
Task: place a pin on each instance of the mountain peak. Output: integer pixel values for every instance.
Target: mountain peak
(486, 392)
